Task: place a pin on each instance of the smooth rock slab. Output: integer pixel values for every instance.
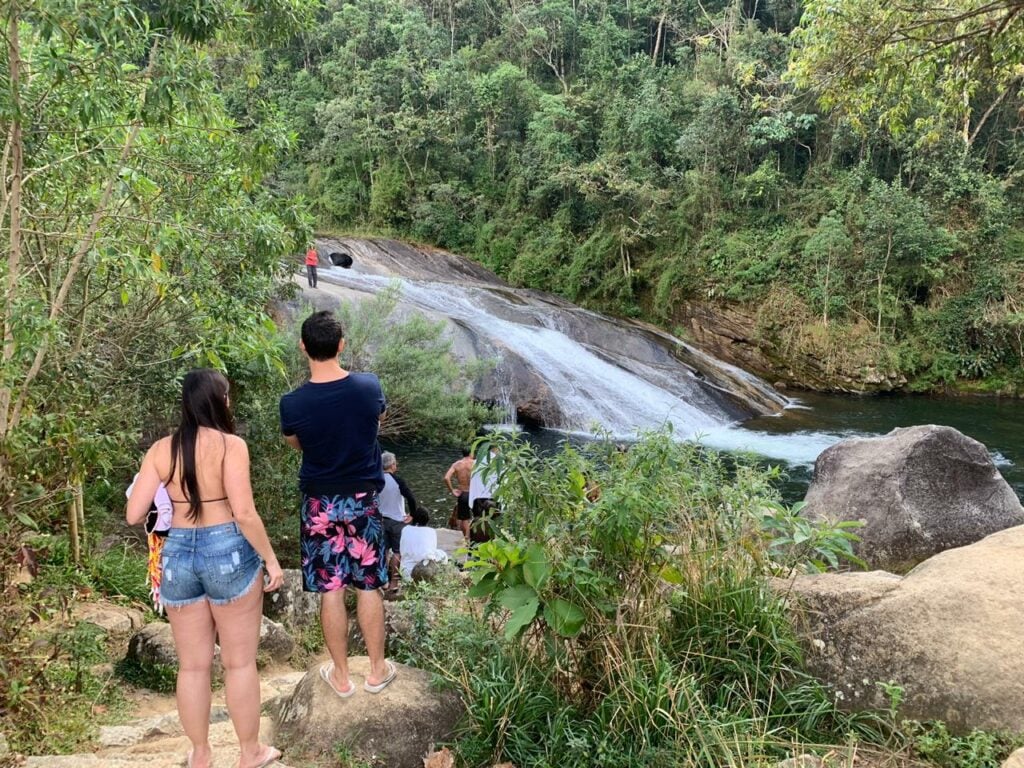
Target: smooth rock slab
(949, 632)
(395, 728)
(1015, 760)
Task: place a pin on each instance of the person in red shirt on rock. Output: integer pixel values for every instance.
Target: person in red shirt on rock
(312, 260)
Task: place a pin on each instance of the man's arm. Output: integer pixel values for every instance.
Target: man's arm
(406, 493)
(448, 479)
(288, 425)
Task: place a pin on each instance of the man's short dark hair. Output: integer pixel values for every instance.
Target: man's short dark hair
(466, 453)
(420, 516)
(321, 334)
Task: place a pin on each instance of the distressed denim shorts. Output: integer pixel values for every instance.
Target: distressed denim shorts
(215, 562)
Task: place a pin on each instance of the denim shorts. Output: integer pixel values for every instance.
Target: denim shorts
(215, 562)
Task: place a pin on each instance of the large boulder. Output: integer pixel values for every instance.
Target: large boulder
(290, 604)
(152, 647)
(918, 491)
(394, 728)
(112, 618)
(949, 633)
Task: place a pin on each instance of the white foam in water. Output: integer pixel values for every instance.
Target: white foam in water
(999, 460)
(799, 448)
(795, 448)
(593, 392)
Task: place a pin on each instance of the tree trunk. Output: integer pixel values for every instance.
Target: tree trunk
(881, 278)
(73, 534)
(12, 202)
(657, 39)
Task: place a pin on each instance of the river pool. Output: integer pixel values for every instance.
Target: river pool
(792, 439)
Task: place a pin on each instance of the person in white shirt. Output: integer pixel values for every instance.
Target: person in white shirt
(483, 484)
(419, 543)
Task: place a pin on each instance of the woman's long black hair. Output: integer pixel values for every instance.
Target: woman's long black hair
(204, 403)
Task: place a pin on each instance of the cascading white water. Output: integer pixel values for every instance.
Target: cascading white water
(595, 387)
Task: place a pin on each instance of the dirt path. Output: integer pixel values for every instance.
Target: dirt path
(155, 739)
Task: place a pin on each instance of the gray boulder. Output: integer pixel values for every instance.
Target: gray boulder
(948, 633)
(394, 728)
(154, 645)
(428, 570)
(275, 642)
(918, 491)
(115, 619)
(290, 605)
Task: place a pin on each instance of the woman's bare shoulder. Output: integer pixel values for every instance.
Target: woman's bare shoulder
(235, 444)
(161, 447)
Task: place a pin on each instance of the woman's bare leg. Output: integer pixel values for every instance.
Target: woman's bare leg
(192, 627)
(238, 627)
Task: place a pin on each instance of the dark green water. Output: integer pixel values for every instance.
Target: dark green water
(792, 439)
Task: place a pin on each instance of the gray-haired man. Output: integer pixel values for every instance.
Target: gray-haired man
(396, 514)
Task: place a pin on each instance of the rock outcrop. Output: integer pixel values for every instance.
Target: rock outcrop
(394, 728)
(918, 491)
(115, 619)
(153, 645)
(948, 633)
(745, 336)
(289, 604)
(558, 364)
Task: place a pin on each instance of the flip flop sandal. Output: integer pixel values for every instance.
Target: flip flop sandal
(392, 672)
(325, 674)
(275, 755)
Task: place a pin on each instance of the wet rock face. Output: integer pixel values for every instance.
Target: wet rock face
(735, 333)
(948, 633)
(556, 364)
(918, 491)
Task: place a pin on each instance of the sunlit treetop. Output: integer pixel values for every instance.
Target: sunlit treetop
(920, 65)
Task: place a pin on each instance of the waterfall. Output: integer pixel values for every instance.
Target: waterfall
(595, 372)
(505, 401)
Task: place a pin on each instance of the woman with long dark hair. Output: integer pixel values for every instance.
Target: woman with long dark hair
(212, 564)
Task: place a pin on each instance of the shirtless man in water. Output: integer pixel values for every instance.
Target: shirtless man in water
(461, 470)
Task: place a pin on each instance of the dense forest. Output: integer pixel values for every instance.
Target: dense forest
(837, 180)
(846, 182)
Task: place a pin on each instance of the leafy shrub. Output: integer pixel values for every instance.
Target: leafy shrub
(978, 749)
(636, 621)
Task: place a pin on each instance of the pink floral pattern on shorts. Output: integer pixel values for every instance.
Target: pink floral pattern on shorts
(342, 542)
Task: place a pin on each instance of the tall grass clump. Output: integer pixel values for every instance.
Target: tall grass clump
(628, 615)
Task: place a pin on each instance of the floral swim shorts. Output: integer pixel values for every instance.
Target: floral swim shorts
(342, 542)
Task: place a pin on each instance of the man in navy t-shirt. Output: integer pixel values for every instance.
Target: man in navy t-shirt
(333, 419)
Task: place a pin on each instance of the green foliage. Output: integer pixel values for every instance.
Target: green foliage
(52, 696)
(142, 237)
(428, 391)
(632, 156)
(119, 572)
(916, 66)
(162, 678)
(978, 749)
(796, 542)
(637, 624)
